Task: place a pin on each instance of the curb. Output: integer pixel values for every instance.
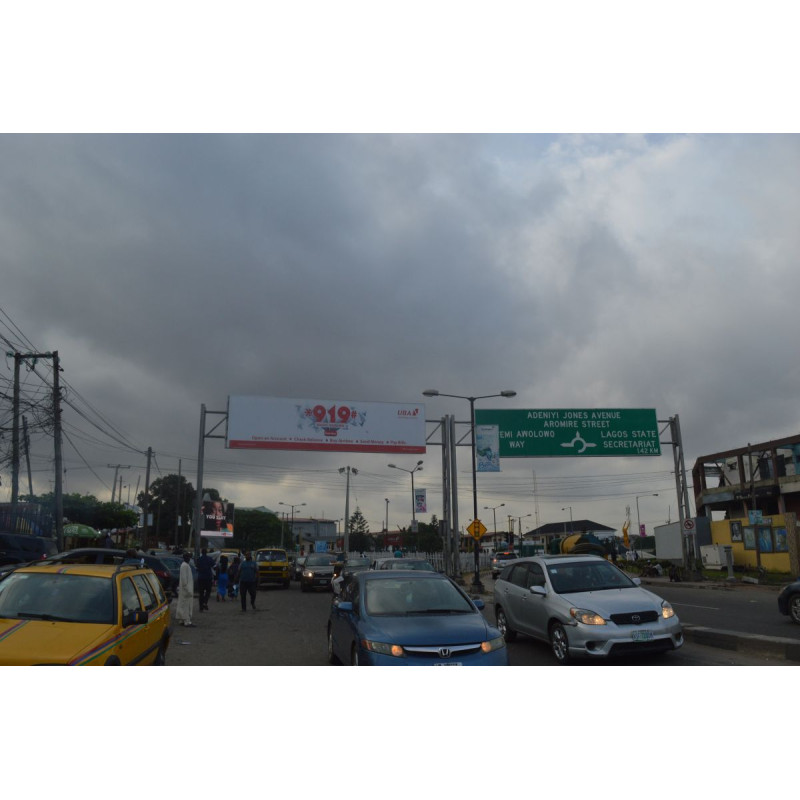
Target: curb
(770, 646)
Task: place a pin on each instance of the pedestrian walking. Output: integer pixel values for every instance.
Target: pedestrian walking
(233, 577)
(205, 577)
(248, 580)
(183, 611)
(222, 578)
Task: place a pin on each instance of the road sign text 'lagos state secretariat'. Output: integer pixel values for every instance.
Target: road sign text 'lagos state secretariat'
(572, 432)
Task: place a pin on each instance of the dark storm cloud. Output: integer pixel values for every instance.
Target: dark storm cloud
(174, 270)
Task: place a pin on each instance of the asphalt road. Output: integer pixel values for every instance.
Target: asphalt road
(288, 629)
(744, 607)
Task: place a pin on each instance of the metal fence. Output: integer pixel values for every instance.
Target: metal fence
(466, 560)
(30, 519)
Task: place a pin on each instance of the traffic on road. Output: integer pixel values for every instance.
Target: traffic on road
(97, 606)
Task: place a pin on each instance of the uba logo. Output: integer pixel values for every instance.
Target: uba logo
(404, 412)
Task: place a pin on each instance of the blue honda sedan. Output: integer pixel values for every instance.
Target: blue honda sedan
(394, 618)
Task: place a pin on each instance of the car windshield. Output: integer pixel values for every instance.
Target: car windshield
(57, 597)
(356, 562)
(587, 576)
(318, 561)
(271, 555)
(405, 597)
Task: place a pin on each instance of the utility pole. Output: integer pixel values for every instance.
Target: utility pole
(348, 470)
(57, 438)
(117, 468)
(26, 439)
(146, 498)
(178, 504)
(15, 445)
(58, 488)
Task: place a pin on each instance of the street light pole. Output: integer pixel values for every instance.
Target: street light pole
(411, 472)
(293, 507)
(519, 531)
(346, 544)
(493, 509)
(477, 586)
(570, 518)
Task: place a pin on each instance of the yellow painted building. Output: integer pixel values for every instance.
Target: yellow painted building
(769, 539)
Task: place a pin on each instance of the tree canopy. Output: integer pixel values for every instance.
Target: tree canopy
(86, 509)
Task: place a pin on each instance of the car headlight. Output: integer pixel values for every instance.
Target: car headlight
(383, 648)
(493, 644)
(586, 617)
(307, 573)
(666, 610)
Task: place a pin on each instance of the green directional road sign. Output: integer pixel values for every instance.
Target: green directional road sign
(573, 431)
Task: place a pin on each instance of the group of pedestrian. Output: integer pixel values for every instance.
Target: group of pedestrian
(236, 579)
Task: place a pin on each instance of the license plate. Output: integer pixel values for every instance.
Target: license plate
(448, 664)
(642, 636)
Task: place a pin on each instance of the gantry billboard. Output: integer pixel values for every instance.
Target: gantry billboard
(282, 423)
(555, 432)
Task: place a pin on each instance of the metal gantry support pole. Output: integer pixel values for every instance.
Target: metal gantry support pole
(446, 507)
(454, 528)
(688, 543)
(198, 501)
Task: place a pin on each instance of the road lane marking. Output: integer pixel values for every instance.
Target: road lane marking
(689, 605)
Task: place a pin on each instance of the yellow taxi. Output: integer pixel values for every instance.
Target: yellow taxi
(76, 614)
(273, 566)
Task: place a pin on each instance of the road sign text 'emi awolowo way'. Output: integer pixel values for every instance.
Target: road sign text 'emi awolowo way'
(573, 432)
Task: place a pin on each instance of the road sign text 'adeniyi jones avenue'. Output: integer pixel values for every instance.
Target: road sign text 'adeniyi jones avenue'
(525, 433)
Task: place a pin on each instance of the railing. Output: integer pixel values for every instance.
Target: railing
(29, 519)
(466, 560)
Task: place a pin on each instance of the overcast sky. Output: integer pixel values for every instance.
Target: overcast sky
(581, 271)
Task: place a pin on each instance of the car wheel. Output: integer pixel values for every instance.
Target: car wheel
(113, 662)
(559, 643)
(509, 634)
(794, 608)
(303, 587)
(286, 584)
(331, 655)
(161, 655)
(354, 656)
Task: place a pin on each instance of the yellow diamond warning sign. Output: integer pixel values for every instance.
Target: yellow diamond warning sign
(476, 529)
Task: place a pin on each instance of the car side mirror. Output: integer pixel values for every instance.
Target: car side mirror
(343, 605)
(479, 604)
(540, 590)
(637, 581)
(135, 618)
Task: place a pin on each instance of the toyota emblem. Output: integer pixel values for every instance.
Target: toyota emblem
(636, 619)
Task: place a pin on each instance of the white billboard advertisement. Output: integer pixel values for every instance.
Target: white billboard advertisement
(217, 518)
(282, 423)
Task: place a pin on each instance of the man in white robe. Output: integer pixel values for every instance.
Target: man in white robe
(183, 612)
